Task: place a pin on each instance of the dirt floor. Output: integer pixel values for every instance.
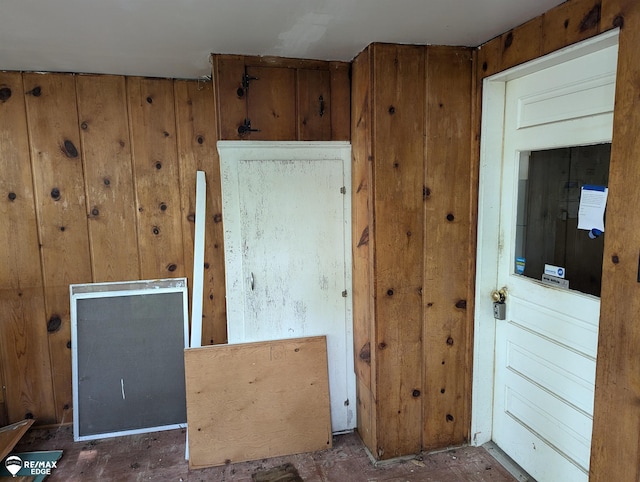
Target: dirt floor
(159, 456)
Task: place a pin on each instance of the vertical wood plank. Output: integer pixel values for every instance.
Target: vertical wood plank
(398, 80)
(61, 211)
(157, 177)
(271, 101)
(197, 136)
(616, 446)
(362, 217)
(340, 101)
(448, 253)
(231, 107)
(26, 369)
(104, 132)
(570, 22)
(313, 105)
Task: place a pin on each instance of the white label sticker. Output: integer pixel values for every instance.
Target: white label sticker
(551, 270)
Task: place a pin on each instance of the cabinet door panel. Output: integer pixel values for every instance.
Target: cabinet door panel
(314, 105)
(271, 101)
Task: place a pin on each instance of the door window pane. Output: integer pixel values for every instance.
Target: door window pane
(549, 189)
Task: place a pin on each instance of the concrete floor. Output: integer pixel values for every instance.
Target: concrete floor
(159, 456)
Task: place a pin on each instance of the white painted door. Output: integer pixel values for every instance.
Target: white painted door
(287, 250)
(546, 348)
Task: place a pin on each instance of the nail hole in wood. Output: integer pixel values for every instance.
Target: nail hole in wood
(449, 417)
(55, 193)
(392, 110)
(163, 207)
(450, 341)
(62, 228)
(95, 211)
(166, 134)
(106, 181)
(200, 140)
(450, 217)
(36, 91)
(158, 165)
(442, 390)
(84, 126)
(12, 196)
(615, 259)
(149, 100)
(484, 66)
(389, 292)
(156, 230)
(415, 393)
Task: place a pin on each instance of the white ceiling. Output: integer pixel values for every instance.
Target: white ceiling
(173, 38)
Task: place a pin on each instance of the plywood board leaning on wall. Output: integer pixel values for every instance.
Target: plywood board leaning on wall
(255, 400)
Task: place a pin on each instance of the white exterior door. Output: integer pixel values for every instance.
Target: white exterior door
(545, 349)
(287, 251)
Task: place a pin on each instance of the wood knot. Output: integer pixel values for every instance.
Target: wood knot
(365, 353)
(166, 134)
(382, 345)
(484, 66)
(217, 218)
(69, 149)
(461, 304)
(149, 100)
(54, 324)
(449, 417)
(5, 94)
(618, 21)
(426, 192)
(508, 40)
(172, 267)
(615, 259)
(592, 19)
(69, 344)
(28, 415)
(240, 92)
(191, 217)
(206, 266)
(566, 23)
(450, 341)
(392, 110)
(364, 237)
(36, 91)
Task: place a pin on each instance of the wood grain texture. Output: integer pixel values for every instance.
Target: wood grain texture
(313, 105)
(255, 400)
(156, 177)
(231, 107)
(398, 86)
(106, 153)
(271, 104)
(11, 435)
(616, 446)
(340, 101)
(447, 241)
(570, 22)
(197, 136)
(363, 248)
(56, 160)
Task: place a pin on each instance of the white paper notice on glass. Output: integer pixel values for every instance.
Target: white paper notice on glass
(593, 201)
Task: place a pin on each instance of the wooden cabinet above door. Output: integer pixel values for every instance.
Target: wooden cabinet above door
(266, 98)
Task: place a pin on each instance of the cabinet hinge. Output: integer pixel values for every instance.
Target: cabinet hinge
(344, 294)
(343, 190)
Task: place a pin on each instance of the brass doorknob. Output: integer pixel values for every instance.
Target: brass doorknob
(499, 295)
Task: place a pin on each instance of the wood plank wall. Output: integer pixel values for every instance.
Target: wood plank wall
(615, 453)
(412, 233)
(98, 184)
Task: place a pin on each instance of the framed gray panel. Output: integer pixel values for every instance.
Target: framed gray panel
(128, 341)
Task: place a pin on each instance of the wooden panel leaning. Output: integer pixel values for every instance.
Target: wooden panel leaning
(255, 400)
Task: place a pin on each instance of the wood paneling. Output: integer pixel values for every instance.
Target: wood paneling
(447, 265)
(341, 101)
(398, 170)
(616, 422)
(314, 105)
(570, 22)
(156, 173)
(61, 211)
(280, 98)
(362, 218)
(26, 370)
(275, 400)
(73, 208)
(196, 128)
(106, 152)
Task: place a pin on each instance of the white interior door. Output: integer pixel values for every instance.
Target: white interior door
(545, 349)
(287, 252)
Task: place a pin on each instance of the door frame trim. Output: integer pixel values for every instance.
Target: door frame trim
(488, 237)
